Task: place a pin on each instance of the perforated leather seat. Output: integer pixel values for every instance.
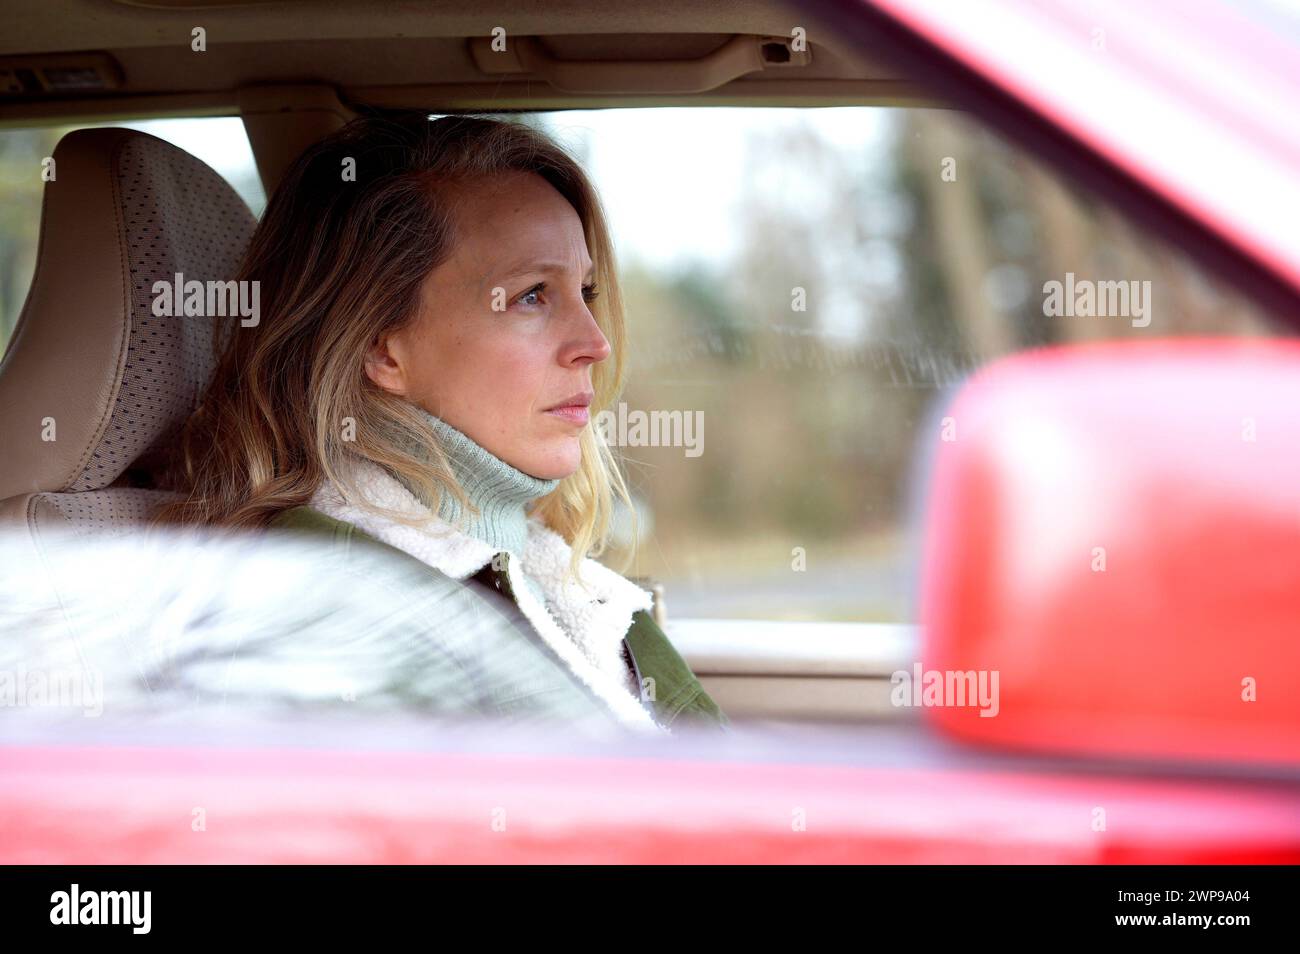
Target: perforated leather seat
(89, 363)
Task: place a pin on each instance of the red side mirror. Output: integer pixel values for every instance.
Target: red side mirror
(1114, 531)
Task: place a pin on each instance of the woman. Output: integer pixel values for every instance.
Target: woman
(440, 320)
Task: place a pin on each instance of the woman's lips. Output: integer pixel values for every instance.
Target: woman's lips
(577, 413)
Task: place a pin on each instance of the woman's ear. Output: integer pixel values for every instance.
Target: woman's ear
(383, 367)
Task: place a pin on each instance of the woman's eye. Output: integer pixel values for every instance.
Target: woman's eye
(530, 297)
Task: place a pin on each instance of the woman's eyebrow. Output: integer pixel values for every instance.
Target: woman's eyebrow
(552, 268)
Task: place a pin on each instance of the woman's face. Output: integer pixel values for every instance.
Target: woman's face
(503, 333)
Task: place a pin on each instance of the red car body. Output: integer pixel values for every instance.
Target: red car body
(958, 791)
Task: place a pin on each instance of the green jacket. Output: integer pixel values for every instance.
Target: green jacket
(678, 697)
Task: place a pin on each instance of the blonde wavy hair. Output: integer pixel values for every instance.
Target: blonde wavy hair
(341, 261)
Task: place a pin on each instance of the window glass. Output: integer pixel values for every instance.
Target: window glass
(802, 287)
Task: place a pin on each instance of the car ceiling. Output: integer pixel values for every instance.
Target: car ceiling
(416, 53)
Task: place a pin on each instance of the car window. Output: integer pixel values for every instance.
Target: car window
(175, 623)
(803, 287)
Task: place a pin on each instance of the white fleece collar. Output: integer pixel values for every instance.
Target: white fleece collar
(585, 627)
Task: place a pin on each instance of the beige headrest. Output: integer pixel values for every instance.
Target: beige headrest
(89, 362)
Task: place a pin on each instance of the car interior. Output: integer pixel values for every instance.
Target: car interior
(120, 382)
(87, 352)
(930, 496)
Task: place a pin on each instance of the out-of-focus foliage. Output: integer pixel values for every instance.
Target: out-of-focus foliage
(21, 189)
(814, 419)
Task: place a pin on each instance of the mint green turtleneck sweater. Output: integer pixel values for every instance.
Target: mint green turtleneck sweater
(499, 491)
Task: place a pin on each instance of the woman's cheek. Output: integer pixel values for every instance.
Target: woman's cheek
(523, 359)
(526, 324)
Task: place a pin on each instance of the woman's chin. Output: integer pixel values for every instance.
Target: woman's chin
(559, 460)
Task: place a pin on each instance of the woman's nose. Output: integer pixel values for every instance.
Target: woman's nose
(601, 349)
(592, 342)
